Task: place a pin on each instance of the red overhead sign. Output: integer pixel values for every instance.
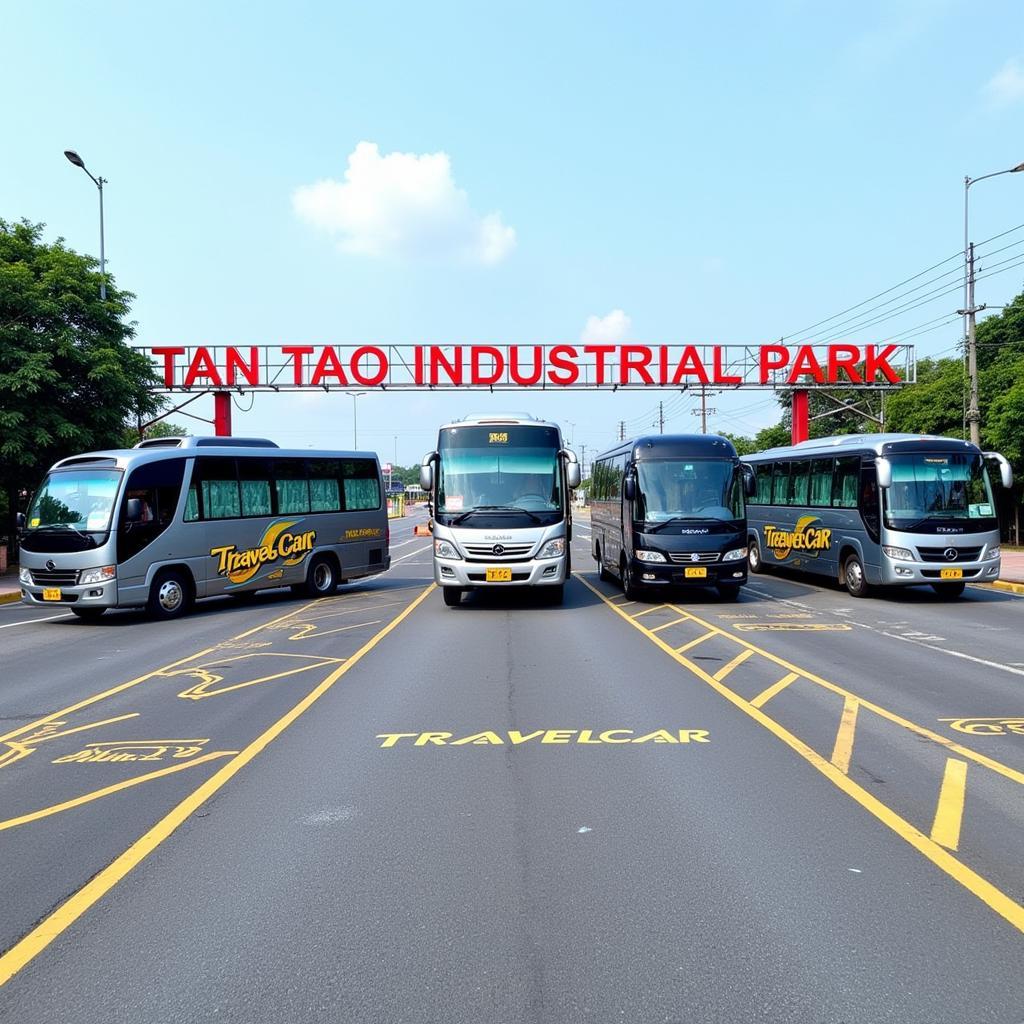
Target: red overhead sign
(509, 367)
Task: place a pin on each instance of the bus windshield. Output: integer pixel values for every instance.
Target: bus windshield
(495, 468)
(75, 499)
(927, 487)
(688, 489)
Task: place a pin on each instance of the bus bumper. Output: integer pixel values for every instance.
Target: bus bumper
(541, 572)
(99, 595)
(717, 575)
(907, 573)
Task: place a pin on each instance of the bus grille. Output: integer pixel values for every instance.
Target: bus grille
(939, 554)
(485, 552)
(56, 578)
(693, 557)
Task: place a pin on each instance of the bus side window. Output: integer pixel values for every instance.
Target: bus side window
(359, 479)
(291, 488)
(763, 475)
(780, 483)
(844, 482)
(218, 481)
(821, 483)
(799, 480)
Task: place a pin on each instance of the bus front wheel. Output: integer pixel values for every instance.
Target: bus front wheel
(854, 578)
(754, 558)
(170, 596)
(629, 586)
(452, 596)
(949, 590)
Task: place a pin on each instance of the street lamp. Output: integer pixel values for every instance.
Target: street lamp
(355, 433)
(74, 158)
(969, 310)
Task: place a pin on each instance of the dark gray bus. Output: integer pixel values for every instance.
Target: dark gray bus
(669, 510)
(169, 521)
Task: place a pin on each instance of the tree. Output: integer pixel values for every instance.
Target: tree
(162, 428)
(69, 380)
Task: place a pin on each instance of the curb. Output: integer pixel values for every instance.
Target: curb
(16, 596)
(1013, 588)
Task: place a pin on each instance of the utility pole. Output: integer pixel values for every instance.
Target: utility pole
(99, 182)
(973, 407)
(622, 430)
(583, 460)
(661, 417)
(704, 410)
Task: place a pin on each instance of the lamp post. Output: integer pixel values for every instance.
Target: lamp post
(969, 310)
(74, 158)
(355, 433)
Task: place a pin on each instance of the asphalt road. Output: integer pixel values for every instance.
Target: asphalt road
(796, 807)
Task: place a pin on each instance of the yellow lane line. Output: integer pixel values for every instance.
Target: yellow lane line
(738, 660)
(843, 749)
(996, 899)
(766, 695)
(72, 708)
(96, 794)
(647, 611)
(699, 640)
(891, 716)
(949, 812)
(76, 905)
(665, 625)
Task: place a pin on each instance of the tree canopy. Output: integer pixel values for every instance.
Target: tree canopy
(69, 379)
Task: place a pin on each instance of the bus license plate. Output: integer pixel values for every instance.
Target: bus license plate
(51, 593)
(696, 573)
(499, 576)
(951, 574)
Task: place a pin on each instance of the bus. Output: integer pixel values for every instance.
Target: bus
(669, 510)
(878, 510)
(175, 519)
(500, 491)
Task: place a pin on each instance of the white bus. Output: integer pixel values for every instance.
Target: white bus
(878, 510)
(175, 519)
(502, 516)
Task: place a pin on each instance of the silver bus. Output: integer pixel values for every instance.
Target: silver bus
(176, 519)
(878, 510)
(502, 516)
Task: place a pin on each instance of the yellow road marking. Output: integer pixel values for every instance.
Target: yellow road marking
(311, 629)
(792, 627)
(766, 695)
(19, 749)
(949, 812)
(76, 905)
(665, 625)
(996, 899)
(738, 660)
(647, 611)
(843, 749)
(876, 709)
(96, 794)
(699, 640)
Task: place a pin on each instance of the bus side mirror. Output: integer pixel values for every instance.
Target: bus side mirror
(629, 488)
(427, 472)
(133, 510)
(749, 481)
(572, 475)
(883, 467)
(1005, 469)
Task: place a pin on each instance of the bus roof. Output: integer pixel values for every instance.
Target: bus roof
(879, 444)
(663, 446)
(502, 419)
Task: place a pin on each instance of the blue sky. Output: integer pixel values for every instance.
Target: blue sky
(724, 175)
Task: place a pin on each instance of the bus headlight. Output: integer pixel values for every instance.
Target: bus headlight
(903, 554)
(445, 549)
(735, 555)
(553, 548)
(25, 576)
(649, 556)
(993, 552)
(103, 574)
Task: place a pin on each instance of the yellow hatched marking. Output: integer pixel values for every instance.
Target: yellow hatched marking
(699, 640)
(665, 625)
(738, 660)
(843, 749)
(949, 811)
(1007, 907)
(766, 695)
(647, 611)
(96, 794)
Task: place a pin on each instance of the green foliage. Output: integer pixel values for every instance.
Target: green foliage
(934, 405)
(743, 445)
(69, 380)
(162, 428)
(772, 437)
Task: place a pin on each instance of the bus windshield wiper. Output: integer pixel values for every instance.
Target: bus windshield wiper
(495, 508)
(64, 526)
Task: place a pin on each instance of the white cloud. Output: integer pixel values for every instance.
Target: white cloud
(606, 330)
(1006, 86)
(403, 205)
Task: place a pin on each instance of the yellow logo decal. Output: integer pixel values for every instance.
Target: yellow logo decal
(586, 737)
(279, 542)
(362, 534)
(804, 537)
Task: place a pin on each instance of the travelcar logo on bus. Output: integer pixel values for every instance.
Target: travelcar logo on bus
(803, 537)
(279, 542)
